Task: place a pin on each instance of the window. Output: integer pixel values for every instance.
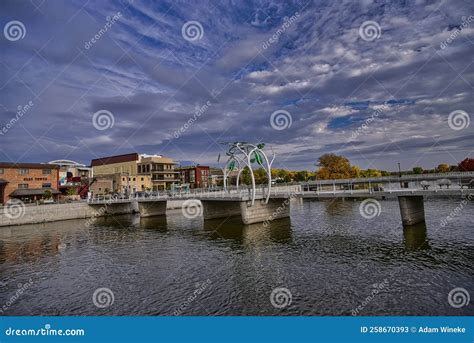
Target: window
(116, 169)
(23, 171)
(23, 186)
(1, 171)
(133, 179)
(46, 185)
(142, 179)
(123, 179)
(46, 171)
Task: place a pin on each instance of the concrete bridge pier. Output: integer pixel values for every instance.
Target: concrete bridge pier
(412, 209)
(249, 214)
(112, 208)
(152, 208)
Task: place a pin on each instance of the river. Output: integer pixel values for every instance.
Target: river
(326, 259)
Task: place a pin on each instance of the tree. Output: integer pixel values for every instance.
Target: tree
(334, 167)
(417, 170)
(302, 175)
(47, 194)
(371, 173)
(466, 165)
(71, 191)
(442, 168)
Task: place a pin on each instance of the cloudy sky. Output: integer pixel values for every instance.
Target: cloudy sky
(373, 81)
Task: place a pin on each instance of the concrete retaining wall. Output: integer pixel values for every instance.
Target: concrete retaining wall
(56, 212)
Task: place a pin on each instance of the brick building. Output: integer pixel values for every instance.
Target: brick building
(27, 181)
(195, 176)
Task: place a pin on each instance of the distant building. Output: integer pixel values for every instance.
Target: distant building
(28, 181)
(73, 175)
(133, 172)
(195, 176)
(102, 185)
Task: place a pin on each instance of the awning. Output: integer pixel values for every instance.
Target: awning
(24, 192)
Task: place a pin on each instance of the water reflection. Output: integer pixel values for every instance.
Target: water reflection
(277, 231)
(415, 237)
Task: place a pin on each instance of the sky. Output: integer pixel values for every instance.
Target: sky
(378, 82)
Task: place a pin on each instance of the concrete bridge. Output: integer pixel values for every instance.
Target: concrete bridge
(238, 202)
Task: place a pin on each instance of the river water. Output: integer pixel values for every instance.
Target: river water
(329, 259)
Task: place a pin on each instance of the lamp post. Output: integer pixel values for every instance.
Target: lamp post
(400, 174)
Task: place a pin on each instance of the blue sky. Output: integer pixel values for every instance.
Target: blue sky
(250, 59)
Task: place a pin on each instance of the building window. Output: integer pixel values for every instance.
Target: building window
(46, 171)
(22, 186)
(142, 179)
(123, 179)
(116, 169)
(133, 179)
(23, 171)
(46, 185)
(1, 171)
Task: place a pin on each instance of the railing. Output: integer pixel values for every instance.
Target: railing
(393, 178)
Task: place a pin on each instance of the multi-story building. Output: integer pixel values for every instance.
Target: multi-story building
(134, 172)
(195, 176)
(160, 169)
(28, 181)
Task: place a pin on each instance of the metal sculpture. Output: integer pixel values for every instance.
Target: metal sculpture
(244, 154)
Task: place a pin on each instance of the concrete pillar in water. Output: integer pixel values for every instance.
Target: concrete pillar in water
(259, 212)
(412, 209)
(152, 208)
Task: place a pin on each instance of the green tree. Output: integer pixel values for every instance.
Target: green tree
(47, 194)
(371, 173)
(417, 170)
(302, 175)
(71, 191)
